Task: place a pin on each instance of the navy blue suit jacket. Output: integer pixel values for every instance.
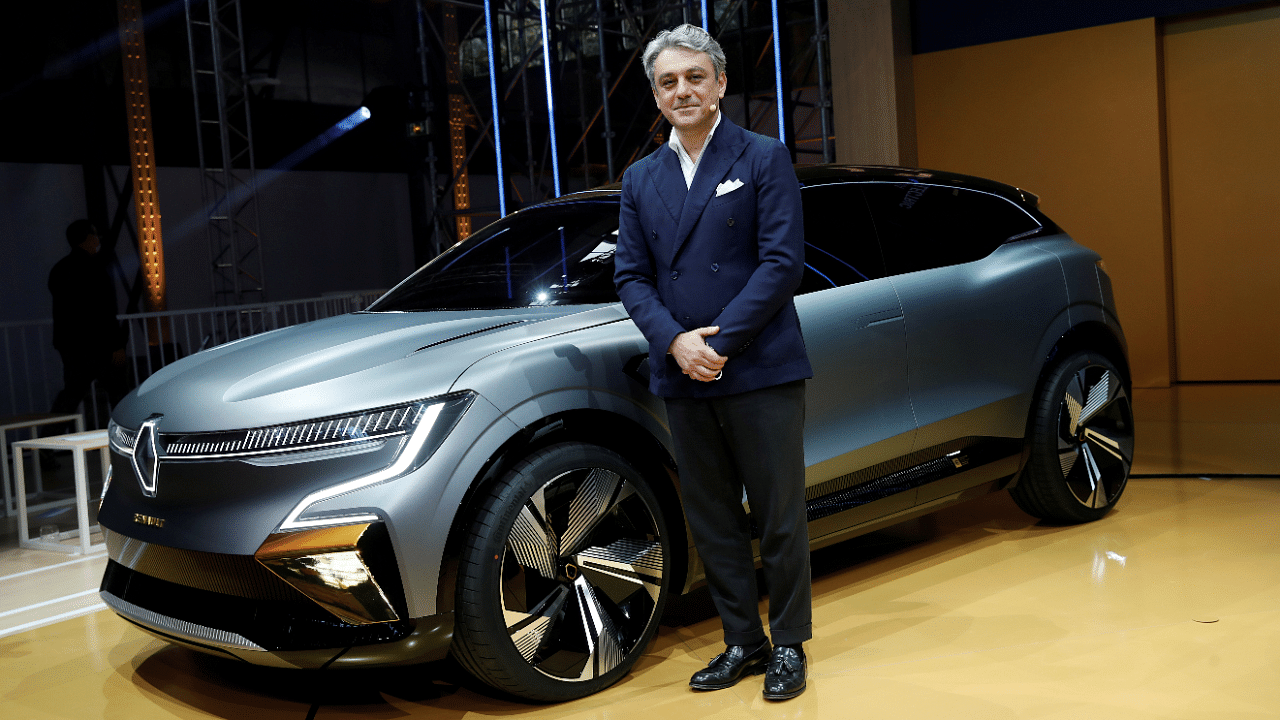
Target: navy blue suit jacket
(689, 258)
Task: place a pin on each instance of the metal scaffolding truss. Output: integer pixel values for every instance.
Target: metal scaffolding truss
(532, 99)
(224, 133)
(570, 72)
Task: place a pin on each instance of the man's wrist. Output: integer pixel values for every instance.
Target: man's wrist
(671, 345)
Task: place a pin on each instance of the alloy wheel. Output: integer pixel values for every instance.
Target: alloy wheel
(582, 574)
(1095, 436)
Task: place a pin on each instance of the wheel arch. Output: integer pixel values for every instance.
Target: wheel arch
(1092, 336)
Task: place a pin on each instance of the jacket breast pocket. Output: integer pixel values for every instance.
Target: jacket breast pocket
(731, 198)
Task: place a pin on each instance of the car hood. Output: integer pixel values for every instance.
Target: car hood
(339, 365)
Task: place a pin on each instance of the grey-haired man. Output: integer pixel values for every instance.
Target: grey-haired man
(710, 252)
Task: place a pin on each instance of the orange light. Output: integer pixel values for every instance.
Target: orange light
(150, 243)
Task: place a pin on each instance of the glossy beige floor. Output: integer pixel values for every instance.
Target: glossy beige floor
(1167, 608)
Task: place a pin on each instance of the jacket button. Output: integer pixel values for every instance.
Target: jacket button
(730, 222)
(715, 267)
(674, 274)
(654, 235)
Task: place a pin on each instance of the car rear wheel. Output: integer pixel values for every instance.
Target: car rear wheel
(563, 576)
(1081, 442)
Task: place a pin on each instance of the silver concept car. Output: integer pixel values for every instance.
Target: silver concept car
(474, 465)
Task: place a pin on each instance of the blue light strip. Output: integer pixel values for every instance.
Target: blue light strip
(819, 272)
(777, 72)
(494, 69)
(706, 20)
(551, 105)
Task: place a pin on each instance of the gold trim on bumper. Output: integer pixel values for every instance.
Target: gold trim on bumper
(326, 565)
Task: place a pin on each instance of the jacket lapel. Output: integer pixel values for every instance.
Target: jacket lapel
(726, 146)
(668, 181)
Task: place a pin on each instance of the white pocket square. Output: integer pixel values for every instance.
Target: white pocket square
(727, 186)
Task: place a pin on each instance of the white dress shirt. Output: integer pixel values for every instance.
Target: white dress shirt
(688, 165)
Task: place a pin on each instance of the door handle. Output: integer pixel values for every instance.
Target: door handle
(878, 318)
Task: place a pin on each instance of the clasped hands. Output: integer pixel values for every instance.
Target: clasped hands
(695, 357)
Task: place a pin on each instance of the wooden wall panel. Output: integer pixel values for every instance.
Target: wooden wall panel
(871, 90)
(1222, 89)
(1075, 118)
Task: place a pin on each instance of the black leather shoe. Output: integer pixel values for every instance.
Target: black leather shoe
(785, 677)
(727, 668)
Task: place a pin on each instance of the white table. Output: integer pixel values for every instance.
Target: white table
(79, 444)
(21, 422)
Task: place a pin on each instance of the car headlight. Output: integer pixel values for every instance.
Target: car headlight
(345, 432)
(431, 422)
(122, 439)
(332, 433)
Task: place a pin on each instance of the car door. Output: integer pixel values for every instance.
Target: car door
(976, 307)
(858, 409)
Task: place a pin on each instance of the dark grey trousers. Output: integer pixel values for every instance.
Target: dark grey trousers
(753, 440)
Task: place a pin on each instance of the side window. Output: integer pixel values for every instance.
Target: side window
(923, 226)
(840, 246)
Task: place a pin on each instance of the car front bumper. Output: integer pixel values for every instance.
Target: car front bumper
(236, 606)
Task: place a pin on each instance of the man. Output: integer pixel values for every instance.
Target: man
(710, 252)
(85, 330)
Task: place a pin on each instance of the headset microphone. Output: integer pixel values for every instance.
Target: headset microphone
(712, 108)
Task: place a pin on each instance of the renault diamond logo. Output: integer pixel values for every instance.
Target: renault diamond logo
(146, 455)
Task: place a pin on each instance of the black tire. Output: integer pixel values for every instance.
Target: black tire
(563, 575)
(1081, 435)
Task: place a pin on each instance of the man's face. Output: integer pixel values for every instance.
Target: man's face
(686, 89)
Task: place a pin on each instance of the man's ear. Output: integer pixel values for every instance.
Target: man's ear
(724, 82)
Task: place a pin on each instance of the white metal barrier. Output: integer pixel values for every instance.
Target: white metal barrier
(32, 371)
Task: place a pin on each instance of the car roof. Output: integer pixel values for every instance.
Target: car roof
(810, 175)
(828, 174)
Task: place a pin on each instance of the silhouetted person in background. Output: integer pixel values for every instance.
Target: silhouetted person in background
(85, 330)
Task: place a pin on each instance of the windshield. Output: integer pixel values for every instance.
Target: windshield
(556, 255)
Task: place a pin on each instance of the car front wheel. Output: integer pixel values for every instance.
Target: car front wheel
(1081, 442)
(563, 576)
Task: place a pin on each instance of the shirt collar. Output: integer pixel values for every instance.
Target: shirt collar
(687, 164)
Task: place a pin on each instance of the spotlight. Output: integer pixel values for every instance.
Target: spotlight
(313, 146)
(340, 128)
(346, 124)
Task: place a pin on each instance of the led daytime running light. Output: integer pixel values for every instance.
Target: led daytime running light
(106, 485)
(404, 461)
